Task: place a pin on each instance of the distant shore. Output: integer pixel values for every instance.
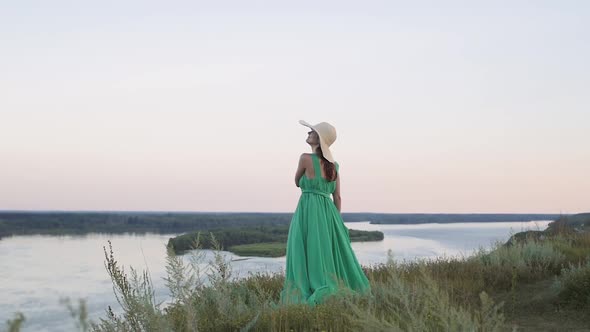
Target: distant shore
(64, 222)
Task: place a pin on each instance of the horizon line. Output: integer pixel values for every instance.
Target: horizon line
(263, 212)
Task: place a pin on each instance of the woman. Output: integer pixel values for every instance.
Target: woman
(320, 259)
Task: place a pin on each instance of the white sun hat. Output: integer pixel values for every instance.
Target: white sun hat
(327, 134)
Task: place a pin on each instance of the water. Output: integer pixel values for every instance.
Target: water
(37, 271)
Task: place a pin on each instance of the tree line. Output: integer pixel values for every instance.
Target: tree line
(61, 223)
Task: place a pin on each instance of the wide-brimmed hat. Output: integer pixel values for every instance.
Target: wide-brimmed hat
(327, 134)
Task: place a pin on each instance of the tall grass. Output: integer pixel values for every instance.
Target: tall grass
(394, 304)
(15, 324)
(573, 285)
(251, 304)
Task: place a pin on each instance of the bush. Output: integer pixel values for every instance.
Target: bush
(421, 305)
(575, 247)
(530, 260)
(573, 285)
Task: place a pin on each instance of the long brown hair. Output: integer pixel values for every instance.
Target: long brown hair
(329, 168)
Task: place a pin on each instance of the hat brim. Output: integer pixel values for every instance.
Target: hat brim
(325, 148)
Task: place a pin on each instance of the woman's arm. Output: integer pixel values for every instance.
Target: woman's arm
(336, 194)
(300, 169)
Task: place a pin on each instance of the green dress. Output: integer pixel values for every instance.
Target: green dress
(320, 260)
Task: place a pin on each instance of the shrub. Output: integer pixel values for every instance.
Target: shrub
(530, 260)
(573, 285)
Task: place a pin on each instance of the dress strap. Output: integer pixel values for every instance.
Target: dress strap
(316, 166)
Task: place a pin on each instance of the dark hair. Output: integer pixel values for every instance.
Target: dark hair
(329, 168)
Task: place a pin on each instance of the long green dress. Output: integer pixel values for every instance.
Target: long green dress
(320, 260)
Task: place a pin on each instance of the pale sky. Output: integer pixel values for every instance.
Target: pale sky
(440, 106)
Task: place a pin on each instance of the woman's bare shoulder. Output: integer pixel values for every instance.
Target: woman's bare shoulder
(305, 155)
(305, 159)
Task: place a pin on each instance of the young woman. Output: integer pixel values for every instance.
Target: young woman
(320, 259)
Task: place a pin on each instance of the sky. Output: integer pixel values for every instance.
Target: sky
(440, 107)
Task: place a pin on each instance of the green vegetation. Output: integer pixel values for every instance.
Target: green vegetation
(356, 235)
(259, 240)
(268, 249)
(228, 237)
(62, 223)
(574, 286)
(576, 223)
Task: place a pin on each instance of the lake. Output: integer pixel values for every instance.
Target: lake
(37, 271)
